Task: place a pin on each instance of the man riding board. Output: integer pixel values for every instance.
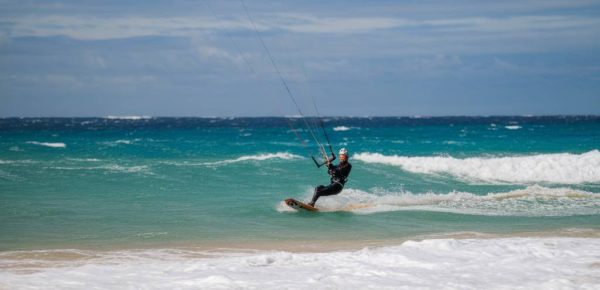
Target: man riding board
(339, 176)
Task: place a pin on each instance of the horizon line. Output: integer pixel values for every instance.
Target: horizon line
(142, 117)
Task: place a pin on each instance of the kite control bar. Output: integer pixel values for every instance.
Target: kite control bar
(325, 162)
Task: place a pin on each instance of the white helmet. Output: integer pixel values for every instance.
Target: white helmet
(343, 151)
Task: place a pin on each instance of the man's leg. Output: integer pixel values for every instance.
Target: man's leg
(316, 195)
(321, 190)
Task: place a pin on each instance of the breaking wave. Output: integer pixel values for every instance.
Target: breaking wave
(341, 128)
(120, 142)
(256, 157)
(513, 127)
(22, 161)
(84, 159)
(562, 168)
(109, 168)
(49, 144)
(426, 264)
(128, 117)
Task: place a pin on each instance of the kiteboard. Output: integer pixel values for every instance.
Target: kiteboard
(298, 205)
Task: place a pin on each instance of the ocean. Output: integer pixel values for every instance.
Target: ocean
(431, 202)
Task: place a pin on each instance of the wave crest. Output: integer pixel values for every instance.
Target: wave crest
(513, 127)
(341, 128)
(49, 144)
(562, 168)
(133, 118)
(255, 157)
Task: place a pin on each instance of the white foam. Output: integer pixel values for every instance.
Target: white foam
(283, 207)
(128, 117)
(150, 234)
(287, 144)
(109, 167)
(84, 159)
(127, 169)
(18, 161)
(530, 201)
(255, 157)
(120, 142)
(565, 168)
(15, 149)
(513, 127)
(341, 128)
(454, 142)
(9, 176)
(507, 263)
(48, 144)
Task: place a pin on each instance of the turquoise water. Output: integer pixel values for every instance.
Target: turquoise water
(110, 182)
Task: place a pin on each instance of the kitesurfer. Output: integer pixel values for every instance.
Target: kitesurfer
(339, 176)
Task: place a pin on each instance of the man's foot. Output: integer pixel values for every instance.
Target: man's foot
(311, 204)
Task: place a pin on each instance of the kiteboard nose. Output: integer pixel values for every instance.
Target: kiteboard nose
(298, 205)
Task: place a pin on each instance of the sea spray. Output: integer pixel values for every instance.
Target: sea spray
(532, 201)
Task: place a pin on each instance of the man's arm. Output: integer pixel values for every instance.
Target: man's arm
(331, 168)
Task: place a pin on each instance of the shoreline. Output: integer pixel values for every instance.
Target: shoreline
(304, 246)
(463, 260)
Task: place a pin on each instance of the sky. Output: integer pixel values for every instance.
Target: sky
(353, 58)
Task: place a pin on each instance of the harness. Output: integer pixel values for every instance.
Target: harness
(338, 179)
(341, 184)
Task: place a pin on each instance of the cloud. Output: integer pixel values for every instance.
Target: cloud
(345, 25)
(436, 64)
(90, 28)
(79, 81)
(329, 66)
(210, 52)
(512, 24)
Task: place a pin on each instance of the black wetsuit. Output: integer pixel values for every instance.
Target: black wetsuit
(339, 175)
